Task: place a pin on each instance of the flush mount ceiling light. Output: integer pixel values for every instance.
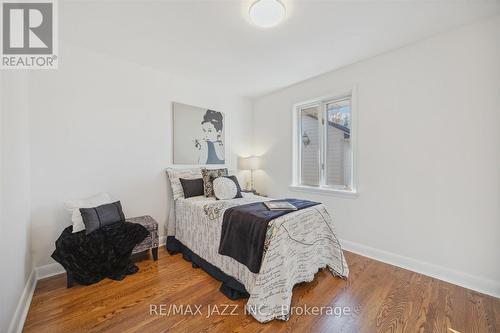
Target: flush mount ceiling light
(267, 13)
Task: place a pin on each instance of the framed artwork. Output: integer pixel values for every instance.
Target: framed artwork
(198, 135)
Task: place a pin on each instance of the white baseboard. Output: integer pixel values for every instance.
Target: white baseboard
(463, 279)
(49, 270)
(19, 317)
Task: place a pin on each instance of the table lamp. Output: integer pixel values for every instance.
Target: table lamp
(249, 163)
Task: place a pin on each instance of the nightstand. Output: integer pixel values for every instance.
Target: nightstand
(254, 192)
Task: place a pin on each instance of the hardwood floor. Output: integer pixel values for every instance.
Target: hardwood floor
(380, 298)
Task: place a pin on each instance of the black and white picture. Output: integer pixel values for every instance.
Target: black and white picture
(198, 135)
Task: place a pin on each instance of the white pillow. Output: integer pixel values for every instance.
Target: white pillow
(224, 188)
(73, 207)
(175, 184)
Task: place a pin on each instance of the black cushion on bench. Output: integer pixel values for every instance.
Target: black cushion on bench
(97, 217)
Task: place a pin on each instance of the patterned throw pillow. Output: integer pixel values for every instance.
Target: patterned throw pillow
(208, 176)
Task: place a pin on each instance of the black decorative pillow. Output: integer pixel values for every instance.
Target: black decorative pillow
(192, 187)
(97, 217)
(208, 176)
(226, 187)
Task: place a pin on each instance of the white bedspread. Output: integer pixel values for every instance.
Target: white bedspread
(298, 244)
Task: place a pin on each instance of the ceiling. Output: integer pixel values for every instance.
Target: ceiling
(214, 42)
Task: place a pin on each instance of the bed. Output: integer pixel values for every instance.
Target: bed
(297, 245)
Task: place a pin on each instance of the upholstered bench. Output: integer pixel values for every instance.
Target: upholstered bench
(152, 241)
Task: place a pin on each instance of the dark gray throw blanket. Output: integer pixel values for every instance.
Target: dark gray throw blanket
(244, 230)
(103, 253)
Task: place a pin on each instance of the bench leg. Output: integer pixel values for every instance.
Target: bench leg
(69, 280)
(154, 250)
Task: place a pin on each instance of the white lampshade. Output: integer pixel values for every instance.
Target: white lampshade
(249, 163)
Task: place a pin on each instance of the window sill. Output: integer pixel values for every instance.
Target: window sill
(325, 191)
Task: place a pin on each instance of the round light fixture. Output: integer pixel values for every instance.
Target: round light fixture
(267, 13)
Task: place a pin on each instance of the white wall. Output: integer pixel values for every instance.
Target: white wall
(428, 152)
(99, 123)
(15, 242)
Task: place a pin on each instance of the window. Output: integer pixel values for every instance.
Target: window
(324, 149)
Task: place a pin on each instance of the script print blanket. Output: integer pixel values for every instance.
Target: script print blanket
(297, 246)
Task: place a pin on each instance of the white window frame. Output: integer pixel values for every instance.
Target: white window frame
(323, 188)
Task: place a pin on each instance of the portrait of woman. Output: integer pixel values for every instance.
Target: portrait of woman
(198, 135)
(210, 145)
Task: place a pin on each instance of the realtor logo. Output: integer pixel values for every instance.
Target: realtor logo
(29, 35)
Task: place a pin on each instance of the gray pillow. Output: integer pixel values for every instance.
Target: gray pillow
(97, 217)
